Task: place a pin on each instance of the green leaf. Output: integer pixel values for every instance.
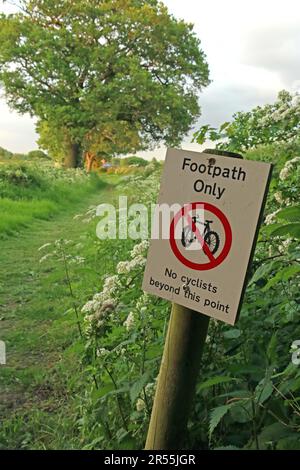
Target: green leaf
(216, 416)
(224, 126)
(137, 387)
(101, 392)
(272, 433)
(283, 275)
(215, 381)
(263, 391)
(289, 443)
(232, 333)
(242, 412)
(271, 351)
(236, 394)
(292, 230)
(291, 214)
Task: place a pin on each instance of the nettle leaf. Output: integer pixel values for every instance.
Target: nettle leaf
(271, 351)
(242, 413)
(283, 275)
(101, 392)
(215, 381)
(269, 229)
(217, 415)
(292, 229)
(272, 433)
(236, 394)
(263, 391)
(233, 333)
(138, 386)
(290, 214)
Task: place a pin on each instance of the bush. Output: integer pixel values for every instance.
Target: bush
(37, 154)
(138, 161)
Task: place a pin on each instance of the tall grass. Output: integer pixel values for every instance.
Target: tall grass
(29, 192)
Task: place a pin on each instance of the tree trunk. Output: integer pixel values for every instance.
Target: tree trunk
(72, 158)
(89, 160)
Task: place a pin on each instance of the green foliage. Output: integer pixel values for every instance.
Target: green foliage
(5, 154)
(216, 415)
(109, 76)
(31, 191)
(248, 396)
(277, 122)
(36, 155)
(136, 161)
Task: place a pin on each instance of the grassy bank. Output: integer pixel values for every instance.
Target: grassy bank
(29, 192)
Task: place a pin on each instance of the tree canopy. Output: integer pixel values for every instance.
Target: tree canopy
(120, 74)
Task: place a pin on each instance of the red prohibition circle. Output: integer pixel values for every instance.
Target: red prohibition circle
(213, 262)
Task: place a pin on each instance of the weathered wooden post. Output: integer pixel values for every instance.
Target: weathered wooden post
(178, 374)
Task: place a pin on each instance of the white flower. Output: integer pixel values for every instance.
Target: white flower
(129, 322)
(139, 249)
(77, 260)
(140, 405)
(284, 246)
(100, 297)
(150, 389)
(89, 318)
(123, 267)
(288, 168)
(89, 307)
(44, 246)
(101, 352)
(270, 218)
(278, 197)
(294, 160)
(111, 283)
(283, 175)
(139, 261)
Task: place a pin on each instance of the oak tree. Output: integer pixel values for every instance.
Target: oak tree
(84, 66)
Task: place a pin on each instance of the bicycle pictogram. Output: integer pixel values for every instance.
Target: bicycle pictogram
(210, 237)
(198, 230)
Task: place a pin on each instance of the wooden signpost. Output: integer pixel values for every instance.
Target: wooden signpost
(201, 267)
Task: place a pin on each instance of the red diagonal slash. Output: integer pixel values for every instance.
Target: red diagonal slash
(203, 244)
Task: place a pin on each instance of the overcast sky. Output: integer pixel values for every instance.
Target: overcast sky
(253, 51)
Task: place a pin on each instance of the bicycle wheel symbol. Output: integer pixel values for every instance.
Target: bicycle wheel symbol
(209, 239)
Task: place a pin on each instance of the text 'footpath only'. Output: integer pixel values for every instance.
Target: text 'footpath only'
(203, 263)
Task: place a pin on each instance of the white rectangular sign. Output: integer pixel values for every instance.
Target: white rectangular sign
(205, 231)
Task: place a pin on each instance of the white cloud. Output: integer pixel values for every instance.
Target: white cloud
(17, 133)
(252, 49)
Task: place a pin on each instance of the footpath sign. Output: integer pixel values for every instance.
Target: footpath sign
(199, 257)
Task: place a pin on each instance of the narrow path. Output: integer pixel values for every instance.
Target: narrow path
(34, 318)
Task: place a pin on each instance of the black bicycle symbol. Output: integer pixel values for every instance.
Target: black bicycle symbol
(210, 237)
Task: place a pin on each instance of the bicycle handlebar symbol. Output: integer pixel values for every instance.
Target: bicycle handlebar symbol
(210, 237)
